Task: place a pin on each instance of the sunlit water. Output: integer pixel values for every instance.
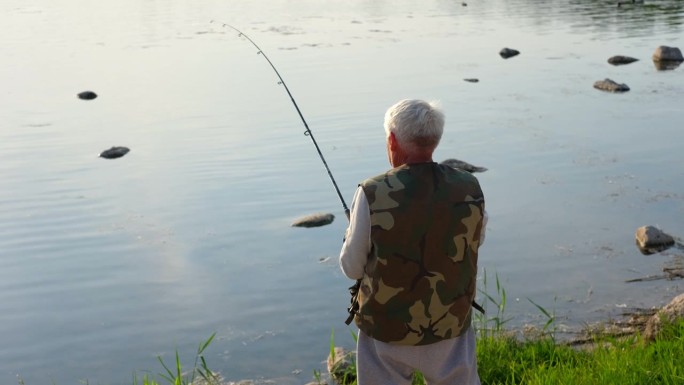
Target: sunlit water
(107, 264)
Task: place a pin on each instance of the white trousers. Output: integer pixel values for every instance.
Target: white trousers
(448, 362)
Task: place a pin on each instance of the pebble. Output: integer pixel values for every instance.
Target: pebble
(508, 52)
(114, 152)
(87, 95)
(610, 86)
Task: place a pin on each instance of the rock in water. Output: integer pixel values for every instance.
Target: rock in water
(620, 60)
(87, 95)
(665, 53)
(610, 86)
(314, 220)
(508, 52)
(114, 152)
(461, 165)
(651, 240)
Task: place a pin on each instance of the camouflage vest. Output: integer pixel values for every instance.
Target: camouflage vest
(419, 281)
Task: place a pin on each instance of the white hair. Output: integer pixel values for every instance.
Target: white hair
(416, 124)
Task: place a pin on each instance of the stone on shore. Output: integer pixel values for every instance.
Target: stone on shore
(341, 365)
(610, 86)
(665, 53)
(672, 312)
(508, 52)
(314, 220)
(621, 60)
(114, 152)
(651, 240)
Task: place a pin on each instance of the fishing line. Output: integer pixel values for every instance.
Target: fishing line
(308, 131)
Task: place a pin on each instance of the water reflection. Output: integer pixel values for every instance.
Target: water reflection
(666, 65)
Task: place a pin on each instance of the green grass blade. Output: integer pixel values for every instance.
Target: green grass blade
(206, 343)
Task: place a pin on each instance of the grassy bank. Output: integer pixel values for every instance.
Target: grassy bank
(506, 360)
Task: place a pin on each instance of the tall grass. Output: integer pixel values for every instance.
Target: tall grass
(175, 375)
(491, 325)
(626, 361)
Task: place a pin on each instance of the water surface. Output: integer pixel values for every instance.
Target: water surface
(106, 264)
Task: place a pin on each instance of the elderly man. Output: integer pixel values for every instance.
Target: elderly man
(413, 240)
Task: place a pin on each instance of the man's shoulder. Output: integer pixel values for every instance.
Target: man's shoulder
(379, 178)
(458, 174)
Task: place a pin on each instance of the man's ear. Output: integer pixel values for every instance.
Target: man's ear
(392, 141)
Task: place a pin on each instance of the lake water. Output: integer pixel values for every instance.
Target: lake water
(107, 264)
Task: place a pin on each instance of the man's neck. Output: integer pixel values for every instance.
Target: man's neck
(427, 158)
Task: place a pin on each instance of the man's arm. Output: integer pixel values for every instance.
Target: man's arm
(485, 219)
(357, 244)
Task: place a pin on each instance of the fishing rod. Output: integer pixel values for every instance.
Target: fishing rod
(353, 290)
(308, 130)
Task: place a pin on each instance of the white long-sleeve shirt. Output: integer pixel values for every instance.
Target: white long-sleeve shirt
(357, 243)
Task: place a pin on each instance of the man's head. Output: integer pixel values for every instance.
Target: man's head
(413, 128)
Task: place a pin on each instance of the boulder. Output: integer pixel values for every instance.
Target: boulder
(610, 86)
(620, 60)
(672, 312)
(341, 365)
(650, 240)
(508, 52)
(665, 53)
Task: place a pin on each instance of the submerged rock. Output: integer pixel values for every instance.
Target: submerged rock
(610, 86)
(508, 52)
(461, 165)
(314, 220)
(114, 152)
(665, 53)
(87, 95)
(651, 240)
(620, 60)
